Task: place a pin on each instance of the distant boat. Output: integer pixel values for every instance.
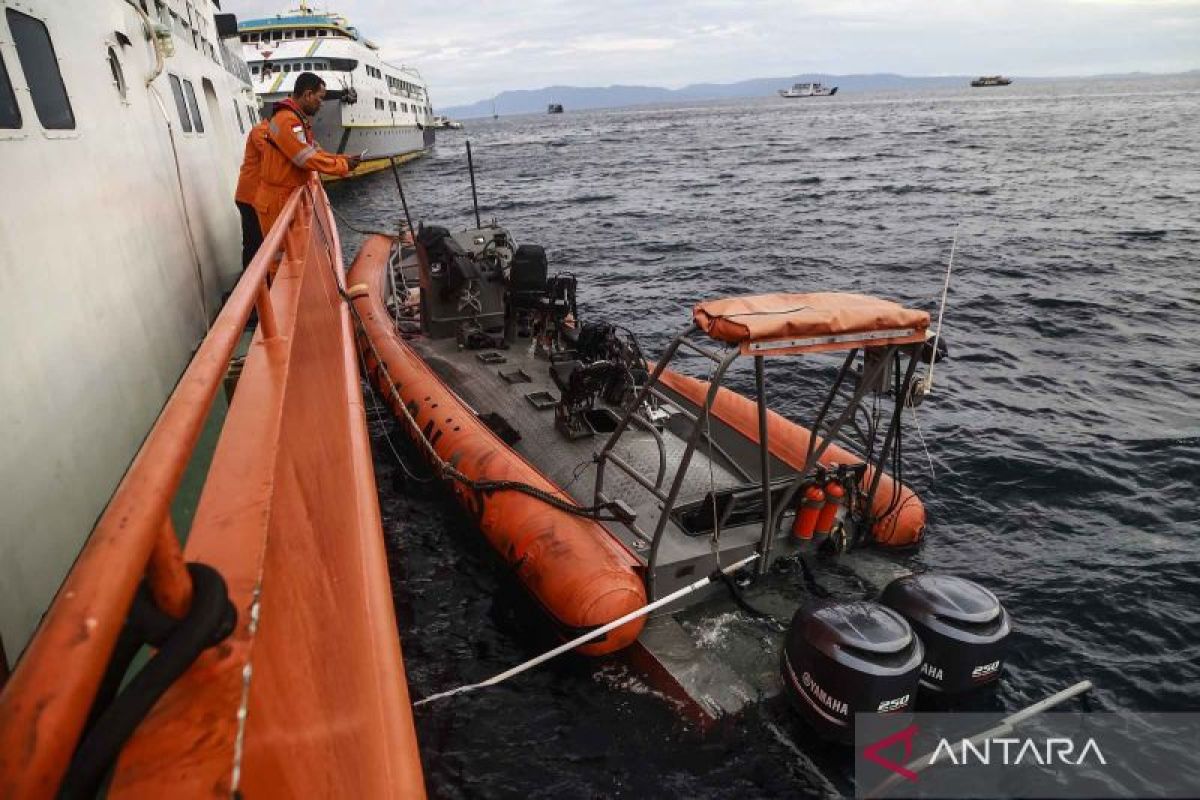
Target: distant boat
(808, 90)
(991, 80)
(445, 122)
(554, 108)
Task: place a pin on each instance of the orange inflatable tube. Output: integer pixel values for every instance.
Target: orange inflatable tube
(901, 517)
(578, 573)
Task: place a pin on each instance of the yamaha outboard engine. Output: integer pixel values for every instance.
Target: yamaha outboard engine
(840, 659)
(962, 625)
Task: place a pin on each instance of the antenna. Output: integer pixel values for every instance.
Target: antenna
(927, 384)
(400, 189)
(474, 196)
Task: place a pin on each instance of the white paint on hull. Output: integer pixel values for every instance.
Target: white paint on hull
(100, 298)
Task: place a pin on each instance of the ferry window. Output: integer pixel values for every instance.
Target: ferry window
(308, 66)
(195, 109)
(322, 32)
(287, 34)
(276, 36)
(310, 34)
(180, 104)
(10, 112)
(237, 112)
(40, 66)
(254, 70)
(114, 64)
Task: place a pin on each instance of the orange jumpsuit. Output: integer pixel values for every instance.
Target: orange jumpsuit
(288, 159)
(247, 185)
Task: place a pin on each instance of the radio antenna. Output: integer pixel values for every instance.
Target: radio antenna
(403, 202)
(474, 196)
(928, 383)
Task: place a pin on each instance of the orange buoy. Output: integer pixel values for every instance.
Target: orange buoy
(811, 506)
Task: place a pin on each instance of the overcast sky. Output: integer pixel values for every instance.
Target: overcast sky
(471, 51)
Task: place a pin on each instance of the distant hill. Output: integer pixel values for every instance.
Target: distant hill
(576, 98)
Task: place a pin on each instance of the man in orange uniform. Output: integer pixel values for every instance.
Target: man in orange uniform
(292, 154)
(247, 187)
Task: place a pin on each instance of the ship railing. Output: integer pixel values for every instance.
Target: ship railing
(46, 702)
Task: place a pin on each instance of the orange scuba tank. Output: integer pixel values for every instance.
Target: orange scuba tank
(806, 516)
(835, 496)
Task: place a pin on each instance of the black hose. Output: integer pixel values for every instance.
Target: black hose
(209, 620)
(811, 582)
(735, 592)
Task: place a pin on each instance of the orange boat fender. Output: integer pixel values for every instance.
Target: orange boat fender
(572, 567)
(898, 513)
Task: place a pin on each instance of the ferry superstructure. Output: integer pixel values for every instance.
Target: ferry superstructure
(808, 90)
(370, 105)
(121, 130)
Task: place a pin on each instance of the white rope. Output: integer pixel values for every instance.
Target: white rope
(921, 436)
(587, 637)
(927, 384)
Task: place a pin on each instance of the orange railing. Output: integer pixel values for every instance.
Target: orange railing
(288, 511)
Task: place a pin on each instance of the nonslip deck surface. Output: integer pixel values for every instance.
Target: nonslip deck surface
(570, 463)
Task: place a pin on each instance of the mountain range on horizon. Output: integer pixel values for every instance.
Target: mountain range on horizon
(578, 98)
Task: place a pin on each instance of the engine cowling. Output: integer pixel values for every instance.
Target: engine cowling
(962, 625)
(841, 658)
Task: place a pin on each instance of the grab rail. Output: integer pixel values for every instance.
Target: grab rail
(46, 701)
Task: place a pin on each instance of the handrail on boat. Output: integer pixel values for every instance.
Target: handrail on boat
(47, 699)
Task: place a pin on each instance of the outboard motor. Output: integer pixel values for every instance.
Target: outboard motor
(840, 659)
(962, 625)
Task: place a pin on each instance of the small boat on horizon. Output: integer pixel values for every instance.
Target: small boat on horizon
(808, 90)
(991, 80)
(554, 108)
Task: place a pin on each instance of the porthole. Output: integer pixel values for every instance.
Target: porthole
(118, 74)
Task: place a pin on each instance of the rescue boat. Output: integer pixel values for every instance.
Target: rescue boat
(607, 481)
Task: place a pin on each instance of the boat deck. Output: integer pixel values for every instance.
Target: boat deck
(503, 389)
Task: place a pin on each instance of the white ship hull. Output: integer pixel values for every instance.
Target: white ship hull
(371, 105)
(822, 93)
(118, 235)
(380, 140)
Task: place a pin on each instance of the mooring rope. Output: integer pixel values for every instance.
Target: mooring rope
(587, 637)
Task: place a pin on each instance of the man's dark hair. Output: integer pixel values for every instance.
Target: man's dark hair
(306, 82)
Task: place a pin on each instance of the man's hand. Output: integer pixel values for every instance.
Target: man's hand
(352, 162)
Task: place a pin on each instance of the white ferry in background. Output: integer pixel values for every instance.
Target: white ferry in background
(369, 104)
(808, 90)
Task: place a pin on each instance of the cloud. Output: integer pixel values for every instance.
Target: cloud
(469, 51)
